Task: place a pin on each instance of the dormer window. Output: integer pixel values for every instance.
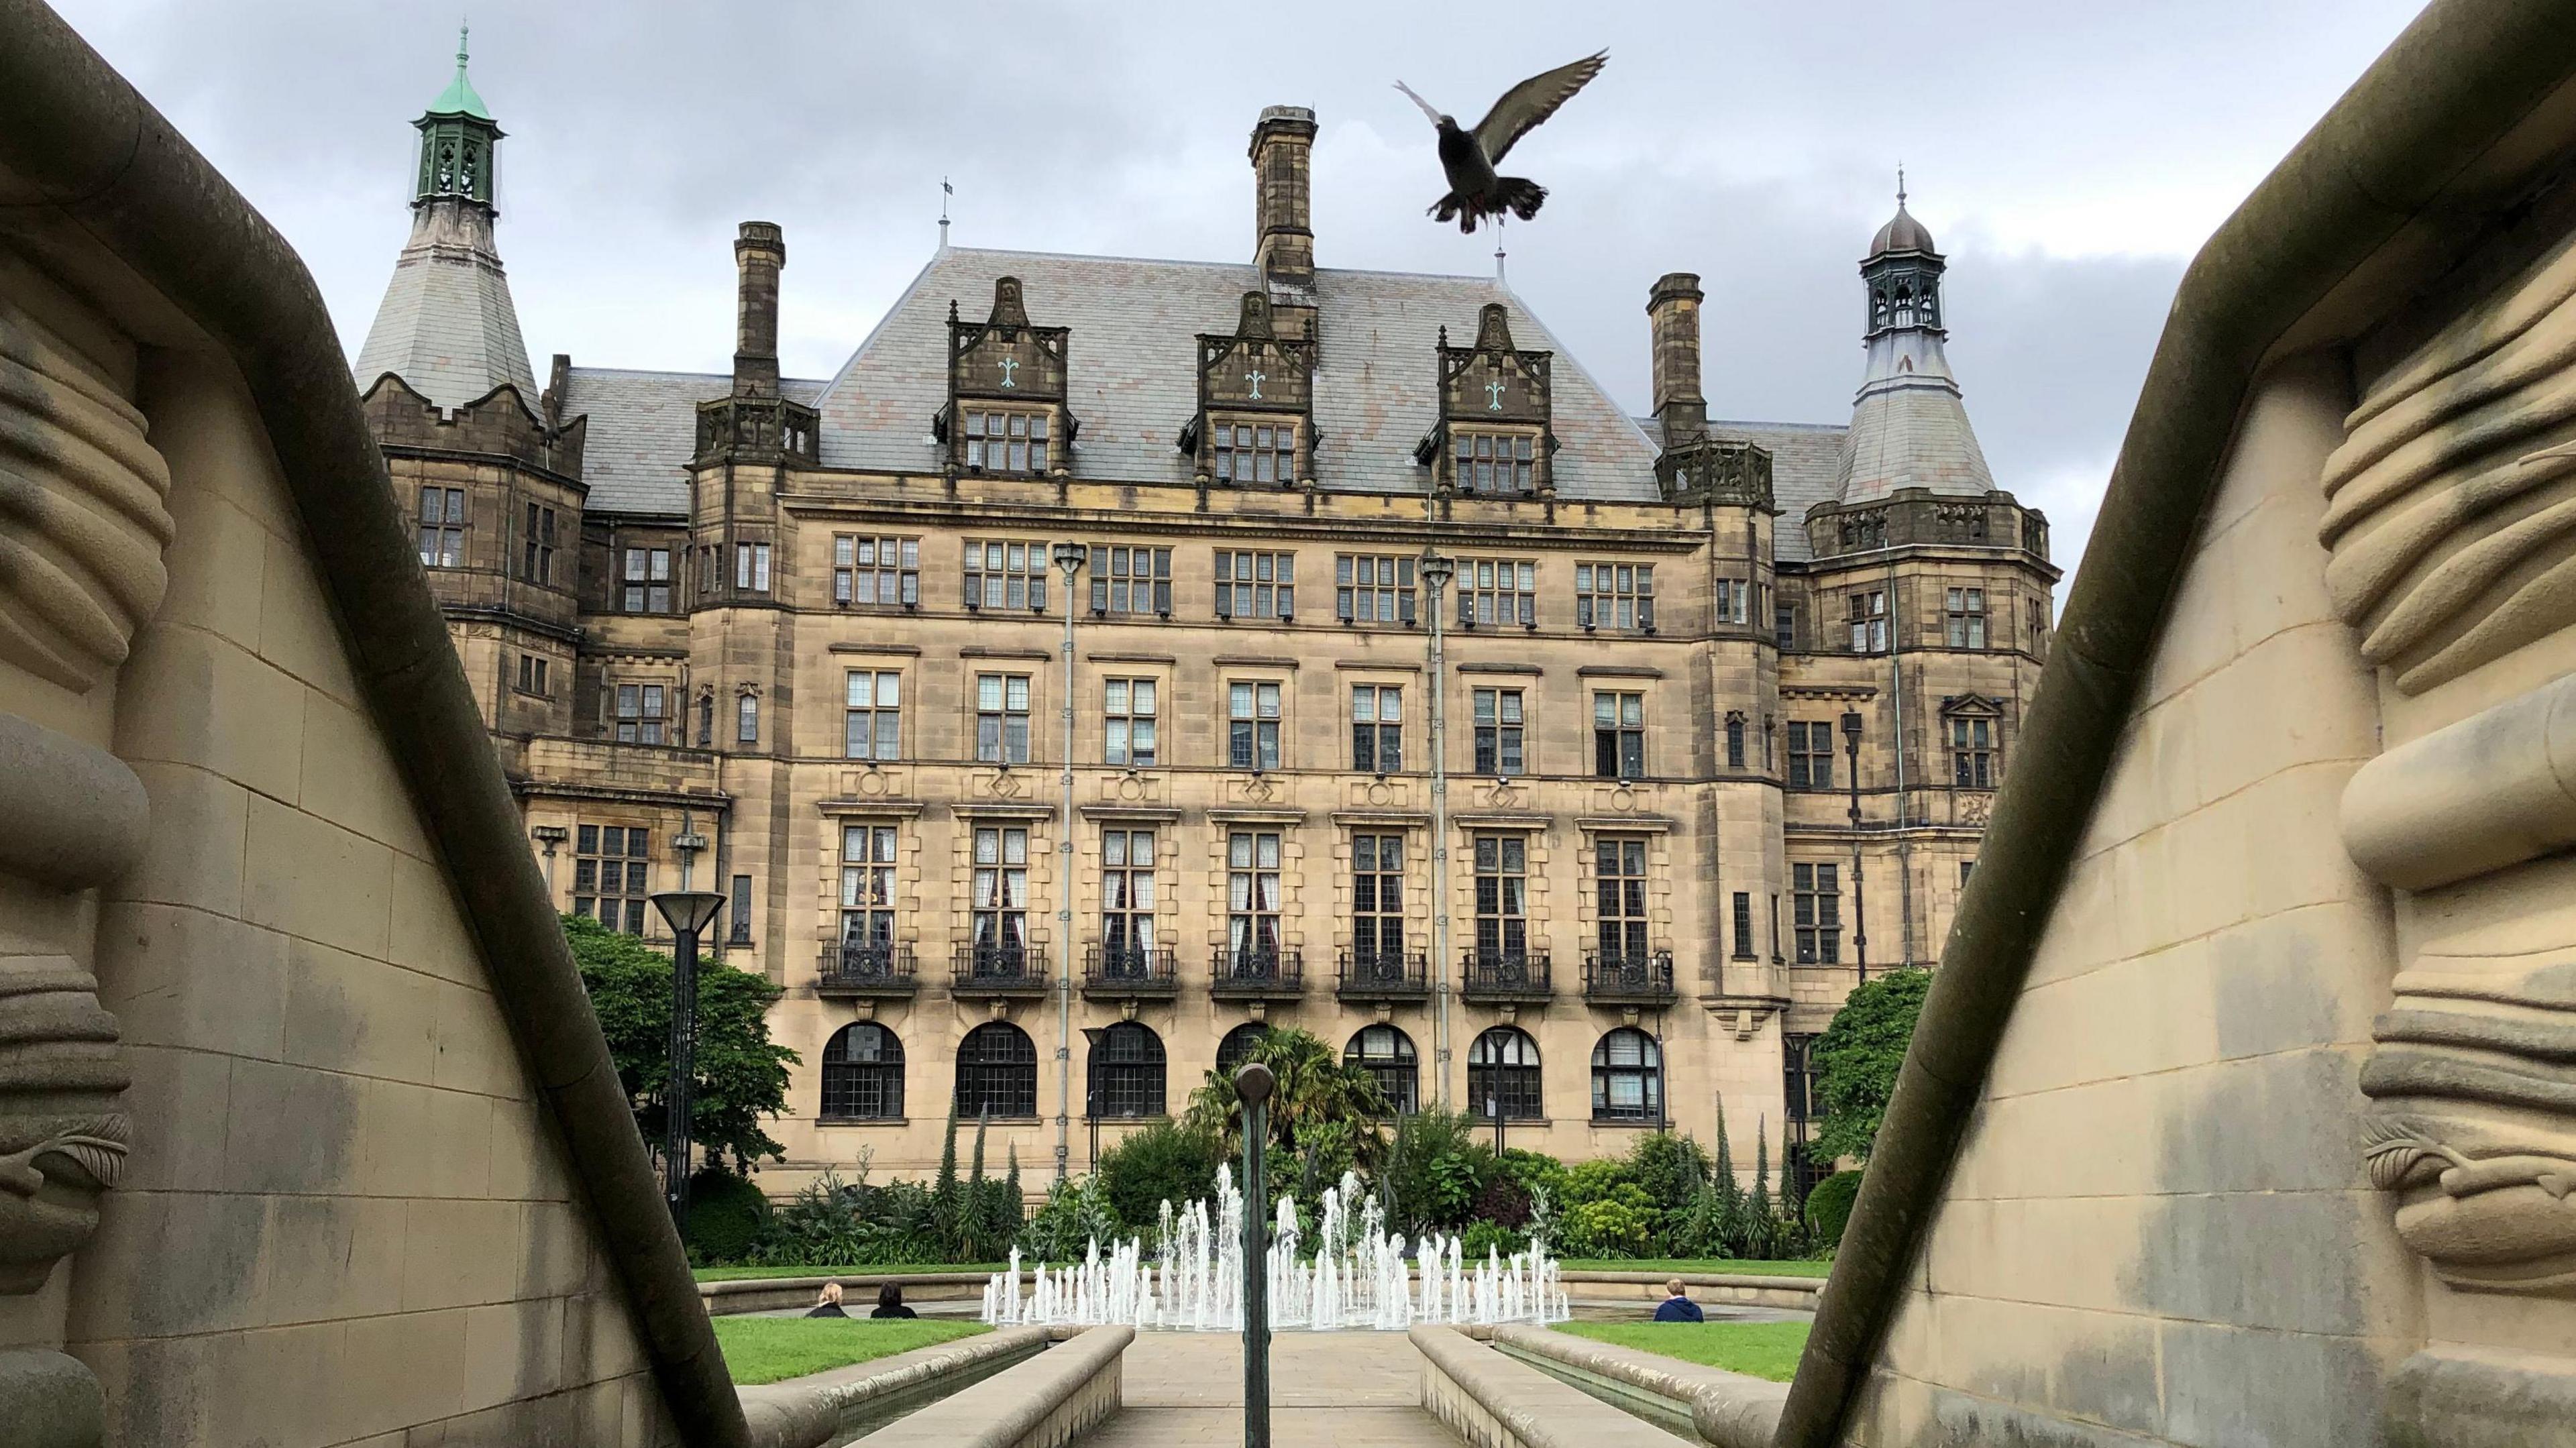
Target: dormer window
(1493, 438)
(1254, 454)
(1495, 462)
(1006, 441)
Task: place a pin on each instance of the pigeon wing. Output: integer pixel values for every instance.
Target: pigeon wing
(1532, 101)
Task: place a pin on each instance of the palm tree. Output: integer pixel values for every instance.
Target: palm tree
(1315, 1089)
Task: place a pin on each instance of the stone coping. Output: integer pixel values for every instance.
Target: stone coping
(1047, 1400)
(760, 1294)
(1489, 1400)
(1729, 1410)
(800, 1412)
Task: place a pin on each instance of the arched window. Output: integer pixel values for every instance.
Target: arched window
(862, 1074)
(1387, 1053)
(997, 1072)
(1627, 1077)
(1127, 1071)
(1237, 1046)
(1502, 1076)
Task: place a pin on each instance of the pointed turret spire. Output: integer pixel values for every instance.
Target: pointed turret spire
(1909, 428)
(447, 326)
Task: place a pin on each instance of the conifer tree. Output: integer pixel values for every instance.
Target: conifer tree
(1762, 1223)
(1728, 1236)
(974, 1210)
(947, 1205)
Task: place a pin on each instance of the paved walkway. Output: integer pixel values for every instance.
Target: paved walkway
(1327, 1390)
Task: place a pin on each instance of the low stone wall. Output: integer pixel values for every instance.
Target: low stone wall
(1490, 1401)
(771, 1294)
(1729, 1410)
(802, 1412)
(1045, 1402)
(1797, 1294)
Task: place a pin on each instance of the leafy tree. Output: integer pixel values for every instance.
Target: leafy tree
(1166, 1162)
(1858, 1056)
(1316, 1092)
(741, 1074)
(1432, 1170)
(1829, 1206)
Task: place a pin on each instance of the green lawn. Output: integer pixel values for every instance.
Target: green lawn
(881, 1269)
(1801, 1268)
(1757, 1349)
(771, 1349)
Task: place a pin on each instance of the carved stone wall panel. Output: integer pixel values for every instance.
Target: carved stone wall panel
(84, 500)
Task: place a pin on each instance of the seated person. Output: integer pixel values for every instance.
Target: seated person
(1677, 1306)
(828, 1304)
(890, 1302)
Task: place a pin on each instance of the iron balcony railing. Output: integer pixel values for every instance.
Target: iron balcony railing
(1119, 970)
(1504, 975)
(1380, 975)
(1257, 973)
(1628, 978)
(867, 967)
(1000, 970)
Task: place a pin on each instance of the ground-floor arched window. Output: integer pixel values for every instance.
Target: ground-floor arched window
(1502, 1075)
(997, 1072)
(862, 1074)
(1627, 1077)
(1127, 1071)
(1237, 1046)
(1387, 1054)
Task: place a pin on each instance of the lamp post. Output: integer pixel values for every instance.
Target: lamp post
(1252, 1085)
(1437, 570)
(1860, 901)
(689, 913)
(1069, 558)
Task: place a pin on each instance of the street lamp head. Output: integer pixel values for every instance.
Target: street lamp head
(1070, 557)
(1253, 1083)
(690, 912)
(1851, 725)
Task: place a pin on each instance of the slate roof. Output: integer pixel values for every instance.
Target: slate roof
(643, 429)
(1806, 458)
(446, 325)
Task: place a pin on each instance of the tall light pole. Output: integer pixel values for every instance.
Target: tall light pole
(1860, 902)
(1252, 1085)
(1437, 570)
(689, 913)
(1069, 558)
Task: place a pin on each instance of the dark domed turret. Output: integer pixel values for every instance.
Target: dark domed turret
(1902, 233)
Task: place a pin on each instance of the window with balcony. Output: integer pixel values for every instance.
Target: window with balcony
(1377, 728)
(1002, 718)
(1000, 441)
(1255, 454)
(1816, 913)
(1252, 893)
(1627, 1077)
(537, 548)
(610, 873)
(863, 1074)
(867, 885)
(1503, 1077)
(1967, 618)
(1126, 1071)
(997, 1072)
(1131, 580)
(872, 715)
(1126, 899)
(642, 713)
(1498, 731)
(1377, 903)
(1614, 595)
(1001, 897)
(1373, 588)
(442, 527)
(1387, 1055)
(1869, 621)
(1255, 585)
(1502, 896)
(1497, 591)
(1972, 752)
(1130, 726)
(647, 581)
(1619, 736)
(1252, 725)
(876, 572)
(1499, 463)
(1619, 897)
(1004, 574)
(1811, 755)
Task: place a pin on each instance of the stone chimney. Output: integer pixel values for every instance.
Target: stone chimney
(759, 254)
(1282, 141)
(1672, 310)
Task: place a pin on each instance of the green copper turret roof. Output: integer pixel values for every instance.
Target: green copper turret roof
(459, 98)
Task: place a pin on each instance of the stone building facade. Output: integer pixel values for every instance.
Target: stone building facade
(805, 642)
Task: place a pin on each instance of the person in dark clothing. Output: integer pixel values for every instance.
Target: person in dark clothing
(828, 1304)
(890, 1302)
(1677, 1306)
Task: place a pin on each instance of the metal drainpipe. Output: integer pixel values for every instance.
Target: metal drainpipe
(1069, 557)
(1437, 570)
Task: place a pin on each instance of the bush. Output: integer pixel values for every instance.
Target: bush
(727, 1216)
(1481, 1237)
(1504, 1203)
(1434, 1168)
(1617, 1225)
(1164, 1162)
(1592, 1181)
(1077, 1213)
(1829, 1206)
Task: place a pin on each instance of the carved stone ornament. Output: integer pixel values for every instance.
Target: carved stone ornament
(83, 515)
(2451, 505)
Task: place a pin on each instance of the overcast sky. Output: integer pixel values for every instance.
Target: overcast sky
(2068, 158)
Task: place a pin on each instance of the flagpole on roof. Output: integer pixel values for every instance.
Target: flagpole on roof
(945, 191)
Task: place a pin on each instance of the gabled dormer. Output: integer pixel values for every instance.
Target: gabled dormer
(1494, 437)
(1255, 425)
(1006, 413)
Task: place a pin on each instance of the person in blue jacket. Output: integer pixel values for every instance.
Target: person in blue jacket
(1677, 1306)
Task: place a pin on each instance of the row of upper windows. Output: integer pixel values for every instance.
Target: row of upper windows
(1250, 450)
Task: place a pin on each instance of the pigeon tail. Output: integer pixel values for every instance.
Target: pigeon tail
(1519, 193)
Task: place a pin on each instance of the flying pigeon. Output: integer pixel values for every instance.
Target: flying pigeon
(1469, 157)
